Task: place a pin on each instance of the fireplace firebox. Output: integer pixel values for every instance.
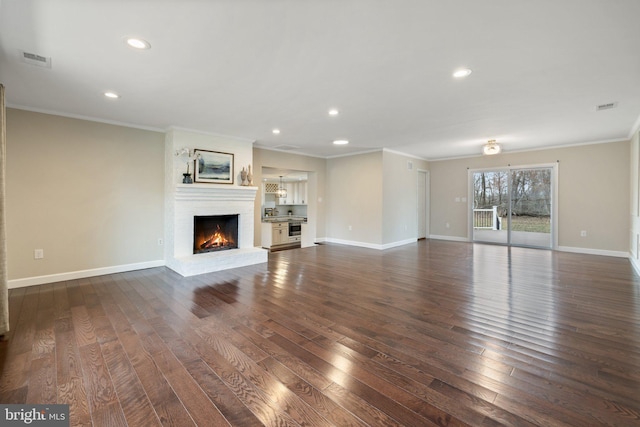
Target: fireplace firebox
(215, 233)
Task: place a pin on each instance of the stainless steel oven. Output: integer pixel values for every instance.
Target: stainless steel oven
(295, 228)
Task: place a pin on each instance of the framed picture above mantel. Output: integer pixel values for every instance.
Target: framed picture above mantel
(213, 167)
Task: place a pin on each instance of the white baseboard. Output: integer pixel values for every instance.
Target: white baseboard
(81, 274)
(365, 244)
(399, 243)
(618, 254)
(450, 238)
(635, 264)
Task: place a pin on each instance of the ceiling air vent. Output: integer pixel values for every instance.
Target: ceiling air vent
(608, 106)
(35, 59)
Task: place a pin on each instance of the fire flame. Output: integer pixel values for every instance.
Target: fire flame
(217, 239)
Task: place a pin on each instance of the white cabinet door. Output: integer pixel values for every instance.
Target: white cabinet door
(294, 193)
(281, 234)
(290, 194)
(302, 193)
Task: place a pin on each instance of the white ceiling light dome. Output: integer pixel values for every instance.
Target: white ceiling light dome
(461, 73)
(137, 43)
(491, 148)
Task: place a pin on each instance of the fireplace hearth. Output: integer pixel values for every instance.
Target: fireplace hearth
(215, 233)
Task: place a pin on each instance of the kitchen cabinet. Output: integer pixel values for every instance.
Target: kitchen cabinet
(296, 194)
(302, 193)
(289, 200)
(275, 234)
(279, 233)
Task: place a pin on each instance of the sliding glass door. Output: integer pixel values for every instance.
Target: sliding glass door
(514, 206)
(491, 206)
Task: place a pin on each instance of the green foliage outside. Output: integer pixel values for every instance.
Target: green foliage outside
(537, 224)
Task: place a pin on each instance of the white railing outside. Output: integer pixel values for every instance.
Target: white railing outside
(486, 219)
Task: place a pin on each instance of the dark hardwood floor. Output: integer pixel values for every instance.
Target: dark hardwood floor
(432, 333)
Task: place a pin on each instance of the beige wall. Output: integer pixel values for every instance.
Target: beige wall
(400, 197)
(89, 194)
(351, 191)
(316, 167)
(354, 198)
(634, 235)
(593, 192)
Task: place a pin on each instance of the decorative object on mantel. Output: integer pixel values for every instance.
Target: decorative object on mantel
(191, 156)
(243, 177)
(213, 167)
(246, 176)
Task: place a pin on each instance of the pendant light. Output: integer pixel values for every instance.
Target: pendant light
(491, 148)
(282, 192)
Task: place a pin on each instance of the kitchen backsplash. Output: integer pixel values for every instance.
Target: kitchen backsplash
(296, 210)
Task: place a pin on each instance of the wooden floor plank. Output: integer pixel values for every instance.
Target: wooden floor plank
(431, 333)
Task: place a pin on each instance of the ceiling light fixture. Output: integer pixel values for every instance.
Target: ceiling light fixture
(491, 148)
(340, 142)
(282, 192)
(137, 43)
(276, 131)
(462, 72)
(333, 112)
(111, 95)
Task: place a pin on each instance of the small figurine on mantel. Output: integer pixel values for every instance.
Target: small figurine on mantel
(246, 177)
(243, 177)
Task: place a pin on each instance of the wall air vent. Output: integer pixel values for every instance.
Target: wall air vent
(608, 106)
(35, 59)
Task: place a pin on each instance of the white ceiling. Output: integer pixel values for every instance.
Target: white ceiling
(244, 67)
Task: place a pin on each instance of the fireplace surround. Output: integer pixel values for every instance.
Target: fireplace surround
(205, 200)
(183, 202)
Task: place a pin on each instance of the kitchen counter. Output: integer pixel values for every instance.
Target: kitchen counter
(284, 218)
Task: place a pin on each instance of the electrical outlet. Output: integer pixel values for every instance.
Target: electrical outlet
(160, 242)
(447, 225)
(38, 253)
(350, 228)
(583, 233)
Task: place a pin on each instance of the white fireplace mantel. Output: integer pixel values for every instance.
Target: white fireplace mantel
(203, 192)
(190, 200)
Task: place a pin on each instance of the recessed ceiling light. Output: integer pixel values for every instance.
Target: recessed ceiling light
(333, 112)
(137, 43)
(276, 131)
(111, 95)
(462, 72)
(340, 142)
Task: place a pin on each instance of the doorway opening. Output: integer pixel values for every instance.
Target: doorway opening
(423, 204)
